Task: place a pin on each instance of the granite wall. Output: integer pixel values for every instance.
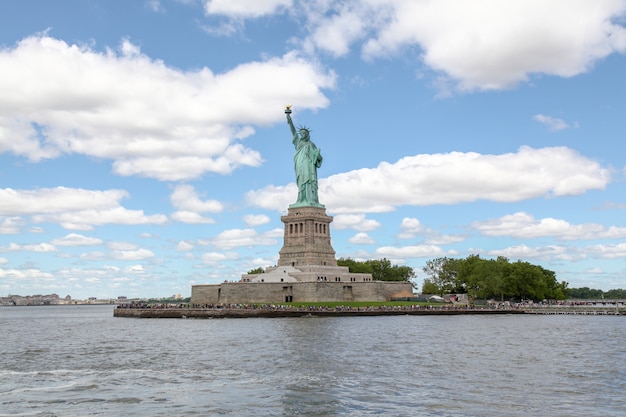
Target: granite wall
(249, 293)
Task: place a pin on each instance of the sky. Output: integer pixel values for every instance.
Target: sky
(144, 146)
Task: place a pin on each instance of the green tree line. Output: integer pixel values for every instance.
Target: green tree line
(381, 269)
(498, 279)
(587, 293)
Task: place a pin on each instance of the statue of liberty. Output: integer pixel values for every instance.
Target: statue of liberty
(306, 161)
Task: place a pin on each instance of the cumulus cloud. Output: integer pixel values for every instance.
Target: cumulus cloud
(185, 197)
(361, 239)
(411, 227)
(451, 178)
(477, 45)
(603, 251)
(355, 221)
(149, 119)
(524, 226)
(415, 251)
(36, 247)
(75, 239)
(552, 122)
(490, 44)
(191, 217)
(184, 246)
(10, 225)
(233, 238)
(190, 206)
(551, 252)
(132, 255)
(87, 219)
(72, 208)
(245, 8)
(25, 274)
(58, 199)
(561, 252)
(216, 258)
(256, 219)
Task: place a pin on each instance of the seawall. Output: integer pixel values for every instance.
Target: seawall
(218, 313)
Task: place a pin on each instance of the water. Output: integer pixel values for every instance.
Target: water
(81, 361)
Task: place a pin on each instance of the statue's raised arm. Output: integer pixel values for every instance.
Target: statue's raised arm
(306, 161)
(291, 126)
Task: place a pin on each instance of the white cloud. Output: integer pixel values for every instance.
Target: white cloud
(234, 238)
(451, 178)
(184, 246)
(85, 220)
(355, 221)
(335, 31)
(524, 226)
(74, 209)
(93, 256)
(550, 252)
(519, 37)
(189, 204)
(216, 258)
(245, 8)
(256, 219)
(74, 239)
(191, 217)
(279, 232)
(28, 274)
(132, 255)
(411, 228)
(36, 247)
(361, 239)
(155, 6)
(552, 122)
(121, 245)
(604, 251)
(10, 225)
(58, 199)
(135, 269)
(150, 119)
(404, 252)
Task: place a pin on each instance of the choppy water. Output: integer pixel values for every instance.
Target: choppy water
(81, 361)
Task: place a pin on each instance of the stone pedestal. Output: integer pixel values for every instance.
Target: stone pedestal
(307, 238)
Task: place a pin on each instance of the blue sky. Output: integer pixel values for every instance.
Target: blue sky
(144, 148)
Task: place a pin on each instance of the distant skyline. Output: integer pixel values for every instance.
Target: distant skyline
(144, 147)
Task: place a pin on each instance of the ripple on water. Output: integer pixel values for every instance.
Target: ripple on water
(353, 366)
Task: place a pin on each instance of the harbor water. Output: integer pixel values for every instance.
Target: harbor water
(81, 361)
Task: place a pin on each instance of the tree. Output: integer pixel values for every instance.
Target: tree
(429, 287)
(494, 278)
(355, 266)
(381, 269)
(258, 270)
(616, 293)
(443, 273)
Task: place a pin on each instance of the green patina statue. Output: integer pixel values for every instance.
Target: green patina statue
(306, 161)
